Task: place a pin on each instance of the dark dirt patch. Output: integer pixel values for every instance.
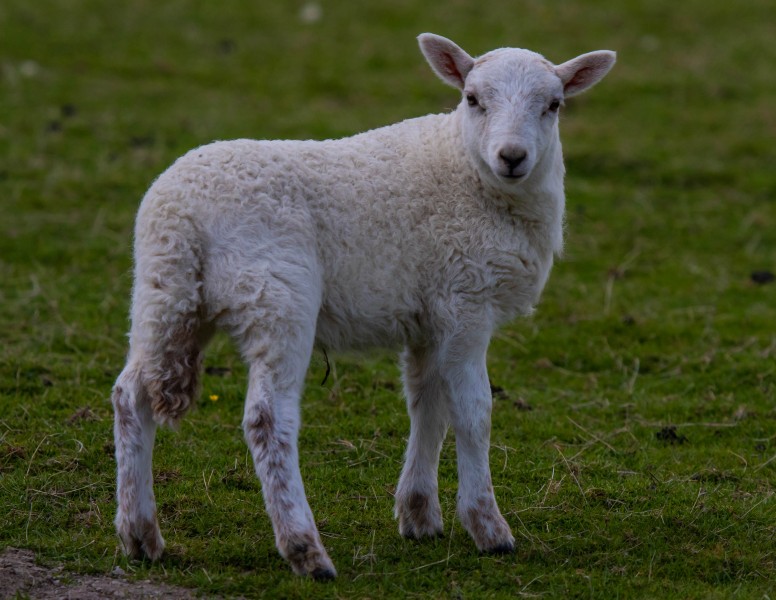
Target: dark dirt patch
(165, 476)
(496, 391)
(499, 393)
(21, 577)
(522, 404)
(84, 413)
(218, 371)
(762, 277)
(669, 436)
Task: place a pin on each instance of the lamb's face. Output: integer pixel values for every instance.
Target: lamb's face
(509, 114)
(510, 101)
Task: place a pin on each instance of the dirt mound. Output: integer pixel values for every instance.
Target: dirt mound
(21, 577)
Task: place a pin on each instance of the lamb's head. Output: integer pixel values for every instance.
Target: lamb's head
(510, 101)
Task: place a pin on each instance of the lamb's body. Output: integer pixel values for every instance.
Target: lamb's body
(386, 256)
(391, 237)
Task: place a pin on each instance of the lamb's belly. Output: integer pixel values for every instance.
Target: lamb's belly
(349, 330)
(369, 303)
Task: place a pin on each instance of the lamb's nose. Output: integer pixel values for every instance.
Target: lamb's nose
(513, 156)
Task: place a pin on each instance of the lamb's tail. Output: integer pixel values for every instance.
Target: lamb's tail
(165, 338)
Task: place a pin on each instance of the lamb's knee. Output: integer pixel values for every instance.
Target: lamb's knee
(131, 409)
(259, 432)
(127, 426)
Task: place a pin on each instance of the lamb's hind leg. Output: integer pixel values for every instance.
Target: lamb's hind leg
(158, 388)
(134, 431)
(271, 425)
(417, 501)
(158, 385)
(278, 351)
(160, 380)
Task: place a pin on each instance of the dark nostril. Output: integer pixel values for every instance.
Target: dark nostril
(512, 158)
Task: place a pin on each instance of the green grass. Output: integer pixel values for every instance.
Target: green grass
(650, 322)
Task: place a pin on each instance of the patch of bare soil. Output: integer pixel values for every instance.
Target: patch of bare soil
(21, 577)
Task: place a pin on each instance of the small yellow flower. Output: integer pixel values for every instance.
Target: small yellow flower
(213, 397)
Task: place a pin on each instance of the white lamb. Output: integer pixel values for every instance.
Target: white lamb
(427, 234)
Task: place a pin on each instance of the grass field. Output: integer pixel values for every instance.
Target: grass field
(634, 433)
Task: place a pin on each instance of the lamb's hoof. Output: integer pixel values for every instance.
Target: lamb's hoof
(323, 574)
(141, 539)
(419, 517)
(490, 531)
(412, 535)
(505, 548)
(307, 557)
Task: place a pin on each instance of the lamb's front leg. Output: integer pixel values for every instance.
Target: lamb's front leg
(417, 500)
(271, 425)
(470, 409)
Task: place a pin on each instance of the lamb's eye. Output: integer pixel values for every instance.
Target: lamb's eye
(472, 100)
(554, 106)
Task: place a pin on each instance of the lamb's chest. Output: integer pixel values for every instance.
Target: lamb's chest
(521, 273)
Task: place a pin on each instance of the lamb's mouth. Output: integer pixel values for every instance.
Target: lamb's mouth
(512, 177)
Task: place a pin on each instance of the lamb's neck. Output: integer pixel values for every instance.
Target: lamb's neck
(544, 186)
(448, 142)
(539, 202)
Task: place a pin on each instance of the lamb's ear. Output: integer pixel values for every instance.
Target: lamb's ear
(585, 71)
(448, 61)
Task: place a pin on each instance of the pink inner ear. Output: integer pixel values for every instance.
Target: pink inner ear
(580, 77)
(451, 67)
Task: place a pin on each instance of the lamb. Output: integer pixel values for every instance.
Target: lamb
(426, 234)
